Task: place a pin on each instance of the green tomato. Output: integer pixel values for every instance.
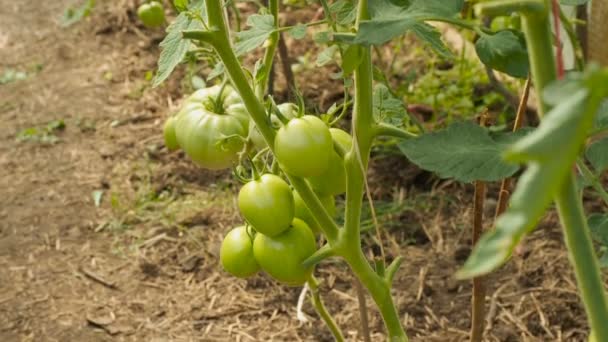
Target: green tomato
(202, 127)
(282, 256)
(169, 134)
(302, 212)
(151, 14)
(289, 110)
(236, 253)
(333, 180)
(267, 204)
(304, 146)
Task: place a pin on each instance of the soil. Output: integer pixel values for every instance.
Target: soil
(140, 263)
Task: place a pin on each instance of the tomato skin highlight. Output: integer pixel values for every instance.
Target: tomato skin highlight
(236, 253)
(267, 204)
(282, 256)
(151, 14)
(201, 132)
(302, 212)
(169, 134)
(333, 180)
(304, 146)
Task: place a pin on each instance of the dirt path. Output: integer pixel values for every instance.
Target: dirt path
(143, 265)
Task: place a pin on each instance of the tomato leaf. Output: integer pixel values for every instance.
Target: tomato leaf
(597, 154)
(601, 120)
(598, 225)
(464, 151)
(327, 55)
(563, 129)
(174, 46)
(345, 12)
(298, 31)
(391, 18)
(504, 51)
(262, 25)
(180, 5)
(351, 59)
(387, 107)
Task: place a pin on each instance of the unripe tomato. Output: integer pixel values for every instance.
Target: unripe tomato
(302, 212)
(151, 14)
(304, 146)
(236, 253)
(289, 110)
(267, 204)
(282, 256)
(202, 127)
(333, 180)
(169, 134)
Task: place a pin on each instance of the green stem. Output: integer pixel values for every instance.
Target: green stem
(273, 42)
(380, 290)
(322, 311)
(384, 129)
(586, 267)
(576, 45)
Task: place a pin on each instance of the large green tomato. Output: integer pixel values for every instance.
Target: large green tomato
(333, 180)
(169, 134)
(202, 128)
(304, 146)
(151, 14)
(267, 204)
(302, 212)
(282, 256)
(289, 110)
(236, 253)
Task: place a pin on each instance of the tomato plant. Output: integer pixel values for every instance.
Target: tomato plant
(219, 127)
(151, 14)
(236, 253)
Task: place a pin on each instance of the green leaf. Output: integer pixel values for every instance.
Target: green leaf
(386, 106)
(322, 37)
(174, 46)
(598, 225)
(601, 120)
(549, 151)
(74, 15)
(597, 154)
(298, 31)
(429, 35)
(327, 55)
(464, 151)
(180, 5)
(573, 2)
(218, 70)
(504, 51)
(604, 260)
(345, 12)
(262, 25)
(391, 18)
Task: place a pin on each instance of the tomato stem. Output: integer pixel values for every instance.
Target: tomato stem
(313, 284)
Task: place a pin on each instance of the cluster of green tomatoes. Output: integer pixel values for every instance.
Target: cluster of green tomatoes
(213, 128)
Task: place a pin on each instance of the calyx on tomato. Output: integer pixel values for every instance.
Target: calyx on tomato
(211, 127)
(236, 253)
(267, 204)
(287, 109)
(304, 146)
(281, 256)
